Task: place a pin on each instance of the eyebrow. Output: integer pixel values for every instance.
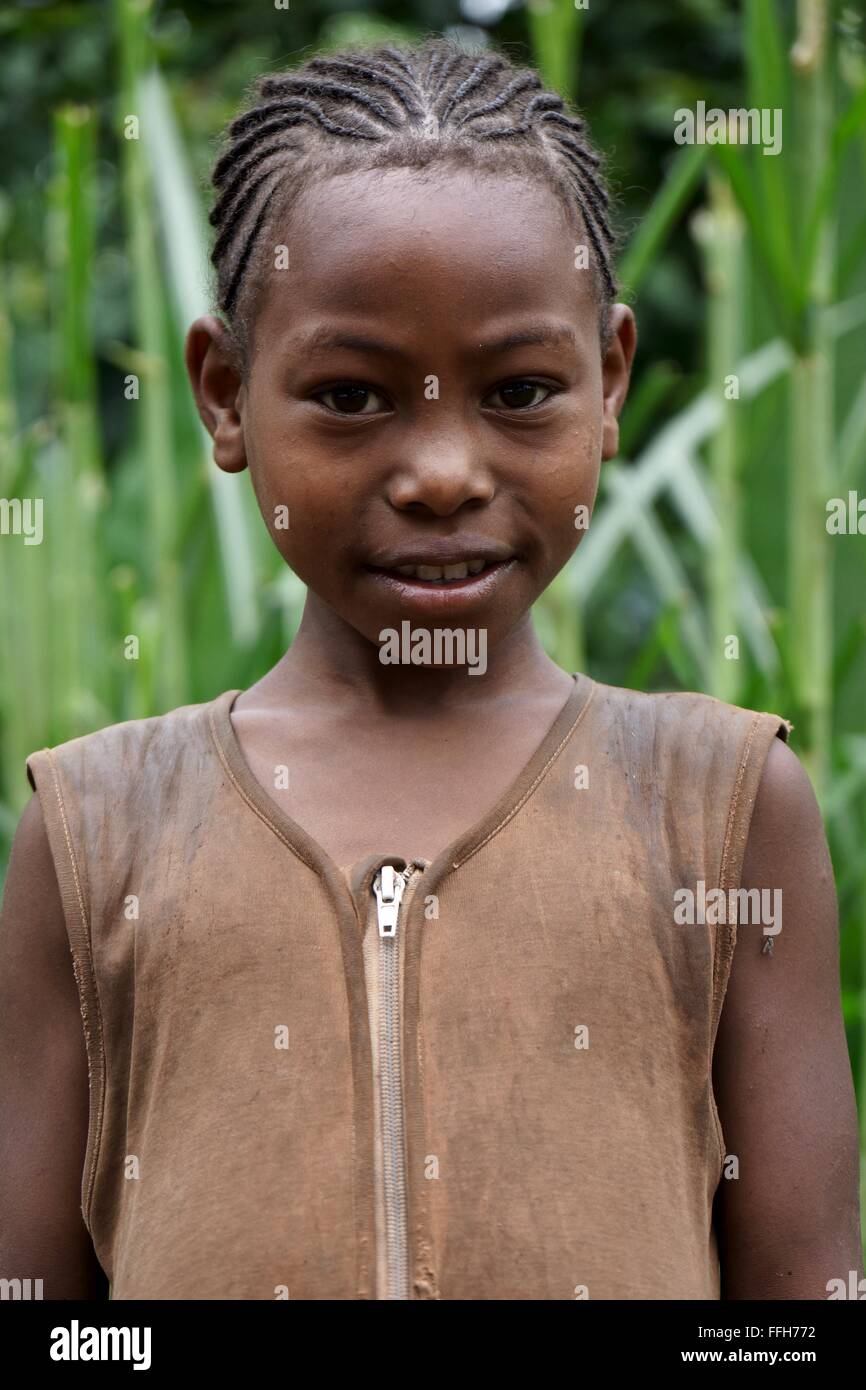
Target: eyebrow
(330, 340)
(533, 335)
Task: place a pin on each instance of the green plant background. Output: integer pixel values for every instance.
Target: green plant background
(712, 520)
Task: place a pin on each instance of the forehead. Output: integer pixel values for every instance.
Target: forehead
(434, 246)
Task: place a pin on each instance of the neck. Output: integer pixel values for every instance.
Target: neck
(330, 661)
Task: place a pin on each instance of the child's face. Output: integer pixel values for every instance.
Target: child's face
(383, 409)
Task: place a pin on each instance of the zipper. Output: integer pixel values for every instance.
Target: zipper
(389, 886)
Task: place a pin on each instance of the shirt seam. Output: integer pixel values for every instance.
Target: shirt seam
(242, 792)
(361, 1277)
(728, 930)
(542, 772)
(96, 1121)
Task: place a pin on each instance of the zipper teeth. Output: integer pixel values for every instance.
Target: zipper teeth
(393, 1135)
(392, 1120)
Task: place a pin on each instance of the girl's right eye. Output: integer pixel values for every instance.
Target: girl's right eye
(350, 398)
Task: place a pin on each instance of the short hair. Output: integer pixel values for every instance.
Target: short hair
(397, 107)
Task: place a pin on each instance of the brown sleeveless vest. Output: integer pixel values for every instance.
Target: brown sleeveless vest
(496, 1087)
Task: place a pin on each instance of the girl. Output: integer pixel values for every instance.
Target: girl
(406, 973)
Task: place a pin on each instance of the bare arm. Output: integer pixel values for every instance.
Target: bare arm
(43, 1082)
(781, 1073)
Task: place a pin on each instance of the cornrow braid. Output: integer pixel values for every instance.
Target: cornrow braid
(407, 107)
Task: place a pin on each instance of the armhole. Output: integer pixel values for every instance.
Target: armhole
(44, 776)
(763, 730)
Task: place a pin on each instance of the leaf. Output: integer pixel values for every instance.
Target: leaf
(852, 121)
(784, 284)
(768, 89)
(683, 176)
(555, 29)
(662, 564)
(185, 241)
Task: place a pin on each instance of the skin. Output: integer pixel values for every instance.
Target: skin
(781, 1073)
(43, 1082)
(426, 267)
(412, 263)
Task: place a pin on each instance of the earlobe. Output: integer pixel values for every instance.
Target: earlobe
(217, 388)
(229, 448)
(609, 437)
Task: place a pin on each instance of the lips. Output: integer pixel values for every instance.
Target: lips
(461, 570)
(447, 560)
(441, 576)
(440, 595)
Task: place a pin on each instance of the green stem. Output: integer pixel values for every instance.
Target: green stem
(556, 30)
(152, 411)
(810, 582)
(720, 230)
(80, 672)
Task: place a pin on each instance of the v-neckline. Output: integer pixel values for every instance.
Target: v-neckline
(292, 833)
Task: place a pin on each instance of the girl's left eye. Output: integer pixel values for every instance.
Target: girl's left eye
(521, 395)
(350, 398)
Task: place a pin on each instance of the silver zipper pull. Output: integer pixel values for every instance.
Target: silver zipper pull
(388, 886)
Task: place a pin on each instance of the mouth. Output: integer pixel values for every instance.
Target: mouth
(465, 580)
(439, 574)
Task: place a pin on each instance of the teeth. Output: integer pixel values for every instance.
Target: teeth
(435, 572)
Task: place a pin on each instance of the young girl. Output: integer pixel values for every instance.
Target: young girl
(422, 968)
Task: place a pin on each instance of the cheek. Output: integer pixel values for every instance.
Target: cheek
(304, 502)
(584, 488)
(276, 501)
(307, 518)
(570, 488)
(310, 533)
(588, 465)
(571, 476)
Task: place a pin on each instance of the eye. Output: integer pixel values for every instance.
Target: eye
(351, 398)
(521, 394)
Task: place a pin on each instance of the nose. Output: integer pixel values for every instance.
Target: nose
(443, 473)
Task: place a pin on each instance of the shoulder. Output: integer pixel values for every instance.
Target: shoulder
(674, 707)
(786, 825)
(696, 759)
(689, 725)
(127, 750)
(110, 796)
(101, 792)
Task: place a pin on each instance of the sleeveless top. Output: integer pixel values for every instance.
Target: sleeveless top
(497, 1088)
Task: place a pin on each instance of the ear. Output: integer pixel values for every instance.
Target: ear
(218, 390)
(616, 372)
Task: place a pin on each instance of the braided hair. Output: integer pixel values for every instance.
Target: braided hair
(388, 107)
